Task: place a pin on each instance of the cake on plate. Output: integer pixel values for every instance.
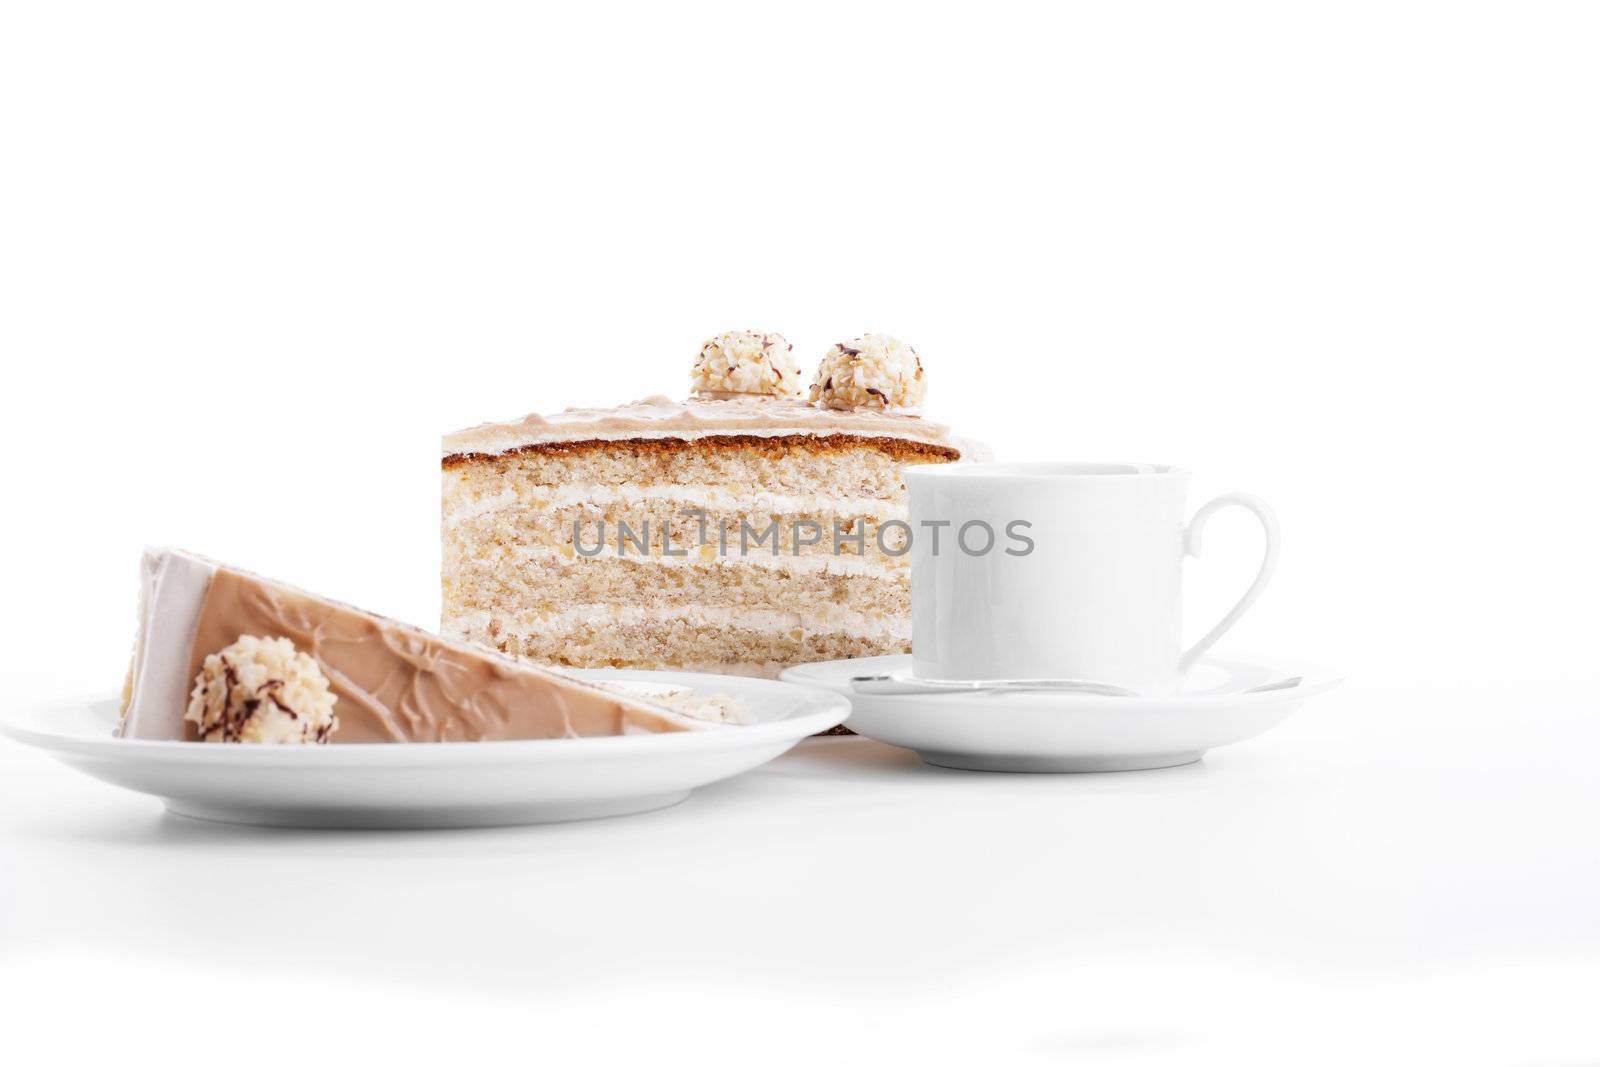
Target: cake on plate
(756, 525)
(225, 656)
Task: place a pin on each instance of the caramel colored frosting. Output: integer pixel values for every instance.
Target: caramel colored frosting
(396, 683)
(659, 418)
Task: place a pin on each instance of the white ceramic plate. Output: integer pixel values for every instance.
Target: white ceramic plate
(438, 785)
(1042, 731)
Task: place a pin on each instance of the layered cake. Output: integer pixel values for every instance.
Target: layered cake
(758, 524)
(225, 656)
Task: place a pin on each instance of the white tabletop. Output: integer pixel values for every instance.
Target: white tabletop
(1393, 870)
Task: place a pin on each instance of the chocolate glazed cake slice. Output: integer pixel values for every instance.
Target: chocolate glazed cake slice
(226, 656)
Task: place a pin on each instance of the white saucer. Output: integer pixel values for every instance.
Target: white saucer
(420, 786)
(1044, 731)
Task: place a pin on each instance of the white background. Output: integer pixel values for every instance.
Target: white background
(255, 259)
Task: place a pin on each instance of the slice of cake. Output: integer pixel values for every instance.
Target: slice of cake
(752, 527)
(225, 656)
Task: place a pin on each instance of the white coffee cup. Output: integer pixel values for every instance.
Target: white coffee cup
(1081, 578)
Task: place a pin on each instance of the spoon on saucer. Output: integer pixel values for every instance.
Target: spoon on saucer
(901, 685)
(1281, 683)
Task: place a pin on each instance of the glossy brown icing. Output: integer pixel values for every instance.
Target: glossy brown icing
(397, 683)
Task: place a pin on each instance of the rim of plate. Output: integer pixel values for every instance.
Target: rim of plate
(835, 709)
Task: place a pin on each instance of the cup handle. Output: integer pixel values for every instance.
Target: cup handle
(1269, 562)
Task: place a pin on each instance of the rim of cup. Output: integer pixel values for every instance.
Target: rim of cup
(1044, 471)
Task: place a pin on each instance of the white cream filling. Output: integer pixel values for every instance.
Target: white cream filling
(710, 499)
(817, 619)
(172, 589)
(848, 566)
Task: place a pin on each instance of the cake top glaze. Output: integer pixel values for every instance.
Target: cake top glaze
(657, 417)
